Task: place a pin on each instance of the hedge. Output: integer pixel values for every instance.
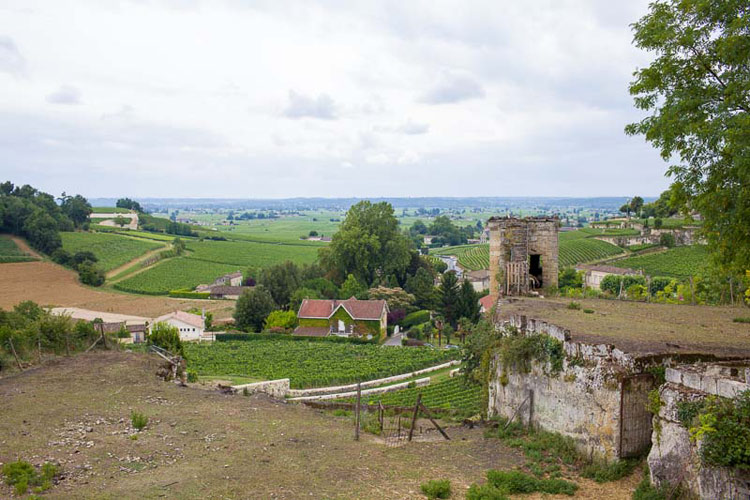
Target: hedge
(186, 294)
(226, 337)
(415, 318)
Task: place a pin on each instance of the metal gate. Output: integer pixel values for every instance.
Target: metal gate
(635, 419)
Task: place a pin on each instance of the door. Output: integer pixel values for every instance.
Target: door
(342, 326)
(635, 419)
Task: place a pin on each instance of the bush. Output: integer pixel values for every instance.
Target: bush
(485, 492)
(574, 306)
(612, 282)
(139, 420)
(666, 240)
(189, 294)
(90, 274)
(520, 482)
(602, 472)
(658, 284)
(437, 488)
(167, 337)
(416, 318)
(192, 376)
(22, 474)
(226, 337)
(588, 311)
(742, 320)
(62, 257)
(284, 320)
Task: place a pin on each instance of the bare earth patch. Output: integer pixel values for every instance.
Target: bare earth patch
(51, 285)
(644, 328)
(202, 444)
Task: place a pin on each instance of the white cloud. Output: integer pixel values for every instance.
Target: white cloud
(430, 97)
(65, 94)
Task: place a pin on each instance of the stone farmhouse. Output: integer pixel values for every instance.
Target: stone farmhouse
(190, 326)
(231, 279)
(351, 317)
(480, 279)
(593, 275)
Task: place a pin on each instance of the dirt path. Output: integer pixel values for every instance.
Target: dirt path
(24, 247)
(137, 260)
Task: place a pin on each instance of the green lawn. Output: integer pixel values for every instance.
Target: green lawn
(112, 250)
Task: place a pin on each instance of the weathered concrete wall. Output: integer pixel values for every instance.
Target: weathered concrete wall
(581, 402)
(674, 458)
(274, 388)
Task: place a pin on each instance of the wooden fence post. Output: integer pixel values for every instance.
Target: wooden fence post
(15, 354)
(414, 415)
(356, 411)
(39, 348)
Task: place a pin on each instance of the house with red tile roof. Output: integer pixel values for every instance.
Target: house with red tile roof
(350, 317)
(485, 304)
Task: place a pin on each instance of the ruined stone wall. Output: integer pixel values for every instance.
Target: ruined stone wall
(674, 457)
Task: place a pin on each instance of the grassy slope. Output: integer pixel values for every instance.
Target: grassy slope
(112, 250)
(9, 251)
(681, 262)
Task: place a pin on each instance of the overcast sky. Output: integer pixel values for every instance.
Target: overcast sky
(183, 98)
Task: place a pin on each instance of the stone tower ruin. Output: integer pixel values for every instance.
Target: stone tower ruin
(523, 254)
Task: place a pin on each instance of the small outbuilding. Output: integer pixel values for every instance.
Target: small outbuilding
(190, 326)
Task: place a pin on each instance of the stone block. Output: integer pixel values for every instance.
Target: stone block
(673, 376)
(730, 388)
(691, 380)
(708, 384)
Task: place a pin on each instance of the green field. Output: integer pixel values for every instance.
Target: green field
(450, 393)
(109, 210)
(309, 363)
(112, 250)
(9, 252)
(575, 248)
(679, 262)
(247, 253)
(172, 274)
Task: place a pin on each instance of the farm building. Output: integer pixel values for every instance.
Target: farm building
(226, 291)
(593, 275)
(190, 326)
(231, 279)
(486, 303)
(351, 317)
(480, 279)
(112, 322)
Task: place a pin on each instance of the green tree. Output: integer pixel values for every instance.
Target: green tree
(352, 288)
(129, 204)
(301, 294)
(449, 298)
(570, 278)
(281, 280)
(396, 298)
(368, 245)
(422, 286)
(121, 221)
(167, 337)
(252, 308)
(697, 93)
(636, 204)
(284, 320)
(468, 302)
(77, 208)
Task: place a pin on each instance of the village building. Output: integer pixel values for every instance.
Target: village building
(112, 323)
(479, 279)
(190, 326)
(485, 304)
(231, 279)
(226, 291)
(351, 317)
(593, 275)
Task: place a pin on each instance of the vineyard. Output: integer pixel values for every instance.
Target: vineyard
(248, 253)
(309, 364)
(180, 272)
(451, 393)
(112, 250)
(9, 252)
(680, 262)
(575, 247)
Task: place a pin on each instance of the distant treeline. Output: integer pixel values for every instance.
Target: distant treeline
(37, 216)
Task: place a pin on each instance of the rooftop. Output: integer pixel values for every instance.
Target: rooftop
(643, 328)
(607, 269)
(357, 309)
(185, 317)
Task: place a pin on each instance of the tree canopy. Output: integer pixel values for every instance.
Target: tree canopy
(697, 93)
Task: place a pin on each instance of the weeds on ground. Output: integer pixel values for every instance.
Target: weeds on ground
(576, 306)
(588, 311)
(485, 492)
(502, 483)
(744, 319)
(139, 420)
(437, 488)
(21, 475)
(647, 491)
(602, 472)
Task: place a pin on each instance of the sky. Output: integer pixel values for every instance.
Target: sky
(273, 99)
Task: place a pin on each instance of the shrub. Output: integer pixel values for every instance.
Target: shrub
(658, 284)
(90, 274)
(666, 240)
(724, 427)
(437, 488)
(588, 311)
(602, 472)
(612, 283)
(22, 474)
(189, 294)
(167, 337)
(139, 420)
(192, 376)
(574, 306)
(485, 492)
(62, 257)
(520, 482)
(285, 320)
(646, 491)
(415, 318)
(742, 320)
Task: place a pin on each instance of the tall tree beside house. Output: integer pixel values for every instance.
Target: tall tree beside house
(252, 309)
(352, 287)
(367, 245)
(468, 302)
(281, 280)
(422, 286)
(697, 93)
(450, 298)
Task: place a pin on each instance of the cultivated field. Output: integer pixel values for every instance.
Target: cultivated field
(112, 250)
(680, 262)
(49, 284)
(202, 444)
(309, 363)
(9, 251)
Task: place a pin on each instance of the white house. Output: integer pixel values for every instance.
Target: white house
(190, 326)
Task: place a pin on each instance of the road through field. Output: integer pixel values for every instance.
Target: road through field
(24, 247)
(145, 256)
